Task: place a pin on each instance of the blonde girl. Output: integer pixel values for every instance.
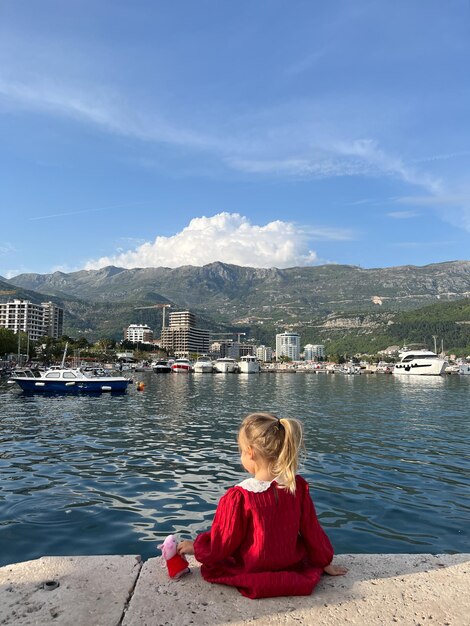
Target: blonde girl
(266, 539)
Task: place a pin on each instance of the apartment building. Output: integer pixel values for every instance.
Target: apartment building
(37, 320)
(288, 344)
(138, 333)
(264, 353)
(313, 352)
(182, 337)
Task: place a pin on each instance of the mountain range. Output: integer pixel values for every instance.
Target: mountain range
(312, 300)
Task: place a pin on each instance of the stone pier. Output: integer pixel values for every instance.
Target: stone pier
(380, 589)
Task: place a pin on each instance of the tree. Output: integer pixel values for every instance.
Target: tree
(8, 341)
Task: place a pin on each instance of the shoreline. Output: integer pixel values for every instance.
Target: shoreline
(379, 589)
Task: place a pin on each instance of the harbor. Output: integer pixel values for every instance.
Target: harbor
(115, 473)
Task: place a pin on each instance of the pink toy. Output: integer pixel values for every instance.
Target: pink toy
(177, 565)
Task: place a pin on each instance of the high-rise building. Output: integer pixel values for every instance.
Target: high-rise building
(288, 344)
(53, 319)
(37, 320)
(313, 352)
(138, 333)
(182, 337)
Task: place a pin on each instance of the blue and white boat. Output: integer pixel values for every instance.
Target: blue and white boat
(64, 380)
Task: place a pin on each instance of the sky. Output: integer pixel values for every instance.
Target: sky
(263, 133)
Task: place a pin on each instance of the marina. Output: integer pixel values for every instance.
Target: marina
(114, 474)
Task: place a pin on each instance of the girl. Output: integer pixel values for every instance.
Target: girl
(265, 538)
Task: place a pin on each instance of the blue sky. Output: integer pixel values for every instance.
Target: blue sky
(263, 133)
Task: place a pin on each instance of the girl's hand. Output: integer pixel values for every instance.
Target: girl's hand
(185, 547)
(335, 570)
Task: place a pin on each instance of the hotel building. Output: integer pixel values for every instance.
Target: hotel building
(37, 320)
(288, 344)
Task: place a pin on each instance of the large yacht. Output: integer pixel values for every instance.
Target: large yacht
(248, 364)
(419, 362)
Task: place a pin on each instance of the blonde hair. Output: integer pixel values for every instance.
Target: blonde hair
(278, 441)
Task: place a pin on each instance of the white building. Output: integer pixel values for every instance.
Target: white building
(37, 320)
(138, 333)
(53, 320)
(288, 344)
(264, 354)
(313, 352)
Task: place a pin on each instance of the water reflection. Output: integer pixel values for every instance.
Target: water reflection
(89, 475)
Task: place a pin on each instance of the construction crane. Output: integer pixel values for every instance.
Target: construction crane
(156, 306)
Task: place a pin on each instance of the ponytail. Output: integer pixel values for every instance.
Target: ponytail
(288, 460)
(278, 441)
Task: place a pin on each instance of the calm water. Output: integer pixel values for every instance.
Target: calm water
(387, 461)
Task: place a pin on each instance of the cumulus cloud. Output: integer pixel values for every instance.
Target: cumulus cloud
(227, 237)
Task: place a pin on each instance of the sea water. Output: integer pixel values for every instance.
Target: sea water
(387, 460)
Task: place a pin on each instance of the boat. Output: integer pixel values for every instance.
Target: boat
(350, 369)
(203, 365)
(383, 368)
(162, 366)
(65, 380)
(464, 369)
(420, 362)
(225, 365)
(248, 364)
(182, 365)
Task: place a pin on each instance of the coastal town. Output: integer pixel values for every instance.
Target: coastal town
(185, 347)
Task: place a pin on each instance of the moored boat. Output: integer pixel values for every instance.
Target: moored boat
(225, 365)
(248, 364)
(419, 362)
(162, 366)
(181, 365)
(203, 365)
(63, 380)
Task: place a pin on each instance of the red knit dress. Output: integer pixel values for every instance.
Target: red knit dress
(265, 541)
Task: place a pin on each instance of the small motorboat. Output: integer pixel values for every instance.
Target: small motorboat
(64, 380)
(162, 366)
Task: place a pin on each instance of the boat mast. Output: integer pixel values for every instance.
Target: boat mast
(65, 354)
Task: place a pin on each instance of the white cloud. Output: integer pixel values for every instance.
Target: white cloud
(230, 238)
(454, 209)
(402, 215)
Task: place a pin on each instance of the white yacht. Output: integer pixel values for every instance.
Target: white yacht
(248, 364)
(182, 365)
(419, 362)
(203, 365)
(225, 365)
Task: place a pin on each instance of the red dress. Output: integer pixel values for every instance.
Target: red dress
(266, 543)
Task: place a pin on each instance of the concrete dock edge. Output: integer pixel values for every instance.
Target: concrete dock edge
(380, 589)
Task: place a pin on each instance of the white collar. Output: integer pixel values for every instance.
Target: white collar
(254, 485)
